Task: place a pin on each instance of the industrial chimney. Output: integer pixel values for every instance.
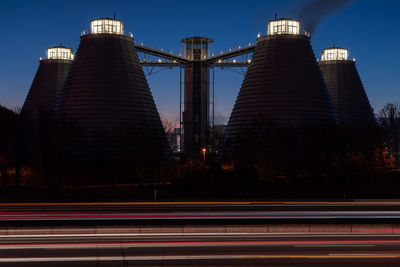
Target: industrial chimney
(283, 88)
(107, 96)
(346, 89)
(48, 82)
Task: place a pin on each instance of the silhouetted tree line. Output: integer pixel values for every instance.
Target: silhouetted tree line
(53, 155)
(389, 120)
(9, 125)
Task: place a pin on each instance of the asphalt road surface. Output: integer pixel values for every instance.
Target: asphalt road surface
(207, 249)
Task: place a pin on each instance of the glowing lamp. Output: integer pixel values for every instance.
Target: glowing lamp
(60, 52)
(335, 54)
(283, 26)
(107, 25)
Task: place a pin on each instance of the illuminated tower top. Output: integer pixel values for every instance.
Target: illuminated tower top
(283, 26)
(335, 53)
(107, 25)
(197, 48)
(60, 52)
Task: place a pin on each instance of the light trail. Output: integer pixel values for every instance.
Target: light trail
(190, 235)
(169, 244)
(201, 203)
(167, 203)
(50, 216)
(187, 248)
(198, 257)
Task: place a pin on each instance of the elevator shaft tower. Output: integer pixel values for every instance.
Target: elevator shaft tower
(196, 112)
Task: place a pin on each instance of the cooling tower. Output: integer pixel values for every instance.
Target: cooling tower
(107, 96)
(346, 89)
(283, 88)
(41, 99)
(48, 82)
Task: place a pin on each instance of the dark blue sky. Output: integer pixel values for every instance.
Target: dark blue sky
(368, 28)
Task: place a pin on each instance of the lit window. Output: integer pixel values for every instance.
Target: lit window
(109, 26)
(335, 54)
(60, 53)
(283, 26)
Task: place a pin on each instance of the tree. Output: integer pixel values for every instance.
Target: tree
(389, 119)
(8, 143)
(169, 124)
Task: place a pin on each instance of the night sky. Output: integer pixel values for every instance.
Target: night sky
(368, 28)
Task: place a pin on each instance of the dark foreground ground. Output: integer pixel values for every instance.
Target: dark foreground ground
(210, 184)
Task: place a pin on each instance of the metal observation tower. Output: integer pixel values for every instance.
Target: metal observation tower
(197, 62)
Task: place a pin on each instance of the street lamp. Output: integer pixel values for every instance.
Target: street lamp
(204, 150)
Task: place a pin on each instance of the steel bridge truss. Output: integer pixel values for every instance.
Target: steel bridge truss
(156, 60)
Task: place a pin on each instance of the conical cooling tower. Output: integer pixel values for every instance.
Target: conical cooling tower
(39, 104)
(107, 96)
(48, 82)
(283, 88)
(346, 89)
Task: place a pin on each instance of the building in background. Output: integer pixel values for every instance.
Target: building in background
(346, 89)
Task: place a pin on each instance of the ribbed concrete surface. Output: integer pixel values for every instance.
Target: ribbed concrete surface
(283, 87)
(40, 103)
(46, 86)
(347, 93)
(106, 93)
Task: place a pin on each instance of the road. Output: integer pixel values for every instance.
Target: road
(167, 211)
(207, 249)
(357, 233)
